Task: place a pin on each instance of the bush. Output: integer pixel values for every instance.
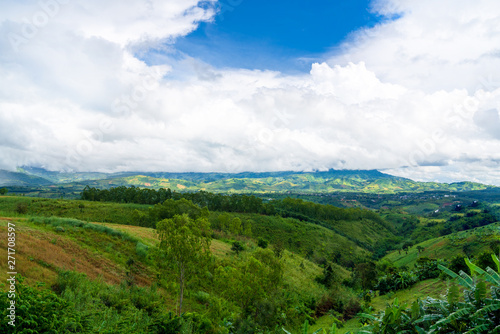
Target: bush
(278, 248)
(40, 311)
(396, 281)
(237, 247)
(108, 308)
(427, 268)
(75, 223)
(352, 308)
(339, 300)
(21, 208)
(141, 250)
(457, 264)
(485, 260)
(202, 297)
(262, 243)
(59, 229)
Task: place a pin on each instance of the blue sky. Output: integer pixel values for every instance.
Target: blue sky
(277, 35)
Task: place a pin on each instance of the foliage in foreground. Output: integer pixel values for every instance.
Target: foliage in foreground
(478, 312)
(37, 311)
(78, 305)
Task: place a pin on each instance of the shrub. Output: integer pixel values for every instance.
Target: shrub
(202, 297)
(40, 311)
(108, 308)
(141, 250)
(237, 247)
(21, 208)
(457, 264)
(479, 312)
(485, 260)
(352, 308)
(59, 229)
(427, 268)
(396, 281)
(262, 243)
(278, 248)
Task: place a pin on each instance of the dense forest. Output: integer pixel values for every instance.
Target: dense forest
(135, 260)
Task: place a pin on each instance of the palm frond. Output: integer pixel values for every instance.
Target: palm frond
(429, 317)
(367, 316)
(489, 308)
(497, 262)
(478, 329)
(464, 282)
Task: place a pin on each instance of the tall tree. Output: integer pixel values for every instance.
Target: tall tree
(185, 243)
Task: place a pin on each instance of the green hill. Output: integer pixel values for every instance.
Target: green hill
(296, 260)
(338, 181)
(110, 278)
(22, 179)
(467, 243)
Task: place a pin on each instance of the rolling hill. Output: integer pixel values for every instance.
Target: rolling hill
(89, 255)
(362, 181)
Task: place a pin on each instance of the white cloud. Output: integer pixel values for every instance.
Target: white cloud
(433, 45)
(75, 95)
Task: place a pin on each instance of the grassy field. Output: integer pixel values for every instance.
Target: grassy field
(43, 249)
(21, 206)
(446, 247)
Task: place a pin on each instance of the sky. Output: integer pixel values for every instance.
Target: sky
(411, 88)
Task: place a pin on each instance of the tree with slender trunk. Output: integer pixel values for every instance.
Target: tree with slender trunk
(184, 243)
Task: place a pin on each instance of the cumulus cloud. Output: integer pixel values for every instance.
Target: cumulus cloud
(416, 95)
(431, 45)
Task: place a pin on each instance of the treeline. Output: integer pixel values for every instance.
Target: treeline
(214, 202)
(124, 194)
(469, 220)
(288, 207)
(300, 209)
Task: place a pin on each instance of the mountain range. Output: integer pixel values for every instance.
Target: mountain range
(365, 181)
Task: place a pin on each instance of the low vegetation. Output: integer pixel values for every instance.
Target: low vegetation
(132, 260)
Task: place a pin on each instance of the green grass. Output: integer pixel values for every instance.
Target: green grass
(429, 288)
(303, 238)
(446, 247)
(82, 210)
(326, 323)
(299, 274)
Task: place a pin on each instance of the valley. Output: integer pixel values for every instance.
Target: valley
(277, 262)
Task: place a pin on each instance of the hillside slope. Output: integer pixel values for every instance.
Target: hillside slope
(123, 285)
(363, 181)
(21, 179)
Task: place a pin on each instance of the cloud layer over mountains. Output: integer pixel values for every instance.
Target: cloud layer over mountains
(417, 95)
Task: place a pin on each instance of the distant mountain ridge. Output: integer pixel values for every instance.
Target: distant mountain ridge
(367, 181)
(21, 179)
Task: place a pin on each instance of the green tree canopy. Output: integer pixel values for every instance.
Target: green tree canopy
(185, 244)
(237, 247)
